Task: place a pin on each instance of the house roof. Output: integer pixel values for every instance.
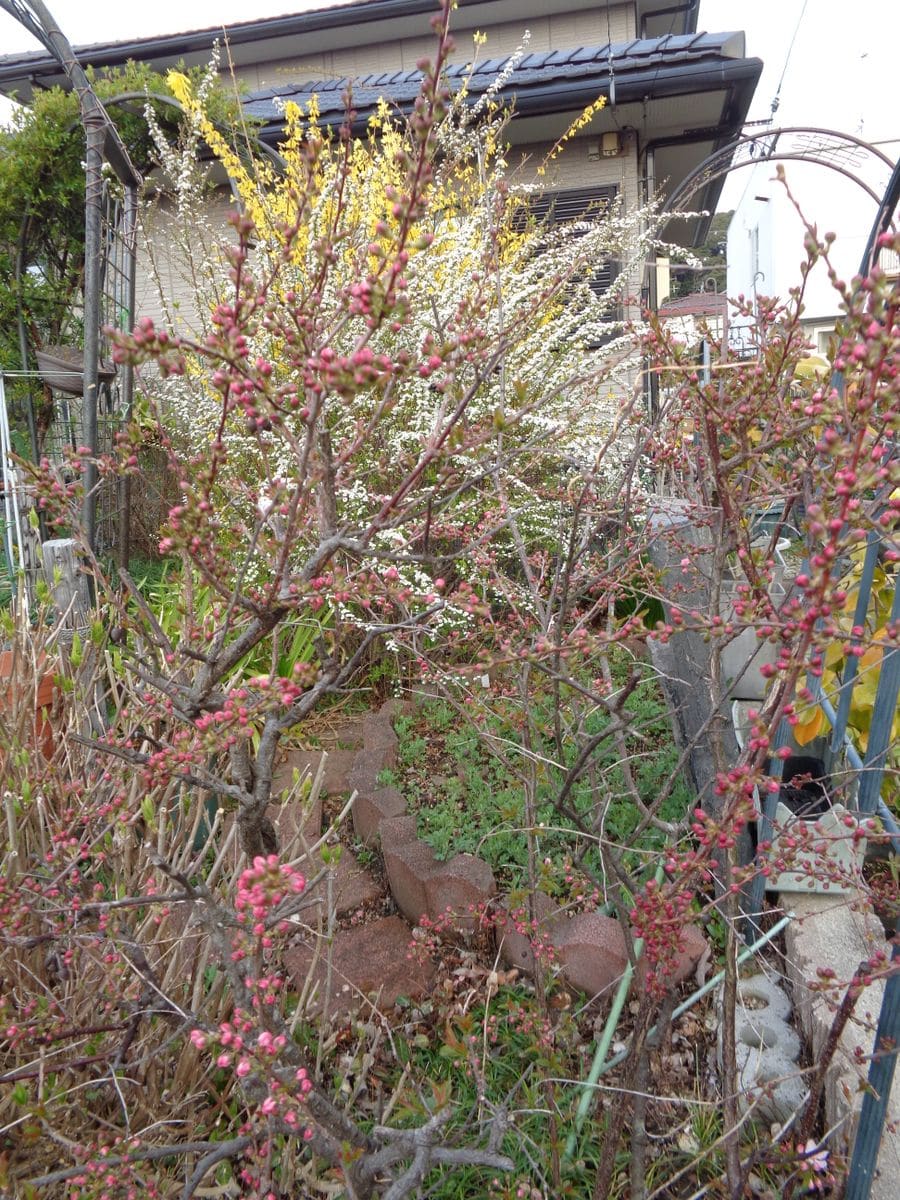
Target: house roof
(697, 304)
(358, 22)
(545, 81)
(682, 95)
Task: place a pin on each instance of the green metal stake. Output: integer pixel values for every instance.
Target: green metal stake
(599, 1067)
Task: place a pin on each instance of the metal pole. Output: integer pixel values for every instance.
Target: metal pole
(129, 235)
(23, 344)
(93, 212)
(878, 1093)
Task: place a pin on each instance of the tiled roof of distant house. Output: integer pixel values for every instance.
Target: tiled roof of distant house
(697, 304)
(658, 66)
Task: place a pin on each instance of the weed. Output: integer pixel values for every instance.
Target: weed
(466, 783)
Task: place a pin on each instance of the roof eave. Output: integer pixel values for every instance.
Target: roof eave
(560, 96)
(15, 69)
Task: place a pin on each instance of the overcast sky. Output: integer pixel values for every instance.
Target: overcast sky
(840, 71)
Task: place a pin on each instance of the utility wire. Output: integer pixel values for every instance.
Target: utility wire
(776, 99)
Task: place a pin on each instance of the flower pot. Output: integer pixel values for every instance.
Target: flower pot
(62, 368)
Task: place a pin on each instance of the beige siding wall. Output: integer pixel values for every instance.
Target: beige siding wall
(170, 265)
(555, 31)
(173, 264)
(575, 168)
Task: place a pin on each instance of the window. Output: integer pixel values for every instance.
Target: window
(581, 204)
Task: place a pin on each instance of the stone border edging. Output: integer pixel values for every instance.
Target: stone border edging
(590, 949)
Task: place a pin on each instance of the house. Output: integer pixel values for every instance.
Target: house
(674, 94)
(765, 236)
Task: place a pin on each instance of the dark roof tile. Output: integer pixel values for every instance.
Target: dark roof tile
(534, 69)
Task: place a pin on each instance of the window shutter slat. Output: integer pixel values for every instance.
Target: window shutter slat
(574, 204)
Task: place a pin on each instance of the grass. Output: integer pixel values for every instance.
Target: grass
(466, 784)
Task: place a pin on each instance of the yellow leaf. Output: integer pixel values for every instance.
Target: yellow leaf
(814, 367)
(805, 731)
(833, 655)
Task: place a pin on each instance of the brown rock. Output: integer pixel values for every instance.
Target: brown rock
(369, 962)
(395, 707)
(371, 807)
(591, 951)
(517, 948)
(692, 944)
(408, 863)
(461, 884)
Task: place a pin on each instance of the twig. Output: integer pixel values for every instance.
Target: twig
(150, 1154)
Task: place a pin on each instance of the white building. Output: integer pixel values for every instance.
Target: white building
(766, 234)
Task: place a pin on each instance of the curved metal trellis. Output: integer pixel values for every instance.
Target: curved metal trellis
(103, 145)
(858, 161)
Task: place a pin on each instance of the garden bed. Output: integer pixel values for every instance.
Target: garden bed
(463, 771)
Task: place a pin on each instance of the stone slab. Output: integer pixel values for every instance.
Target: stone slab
(346, 736)
(370, 963)
(338, 765)
(352, 887)
(828, 933)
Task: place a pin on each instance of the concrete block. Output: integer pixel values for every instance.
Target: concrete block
(767, 1049)
(770, 1082)
(462, 884)
(827, 933)
(762, 992)
(830, 863)
(765, 1031)
(408, 864)
(374, 806)
(591, 951)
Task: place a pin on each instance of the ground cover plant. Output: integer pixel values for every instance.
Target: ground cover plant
(370, 460)
(460, 769)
